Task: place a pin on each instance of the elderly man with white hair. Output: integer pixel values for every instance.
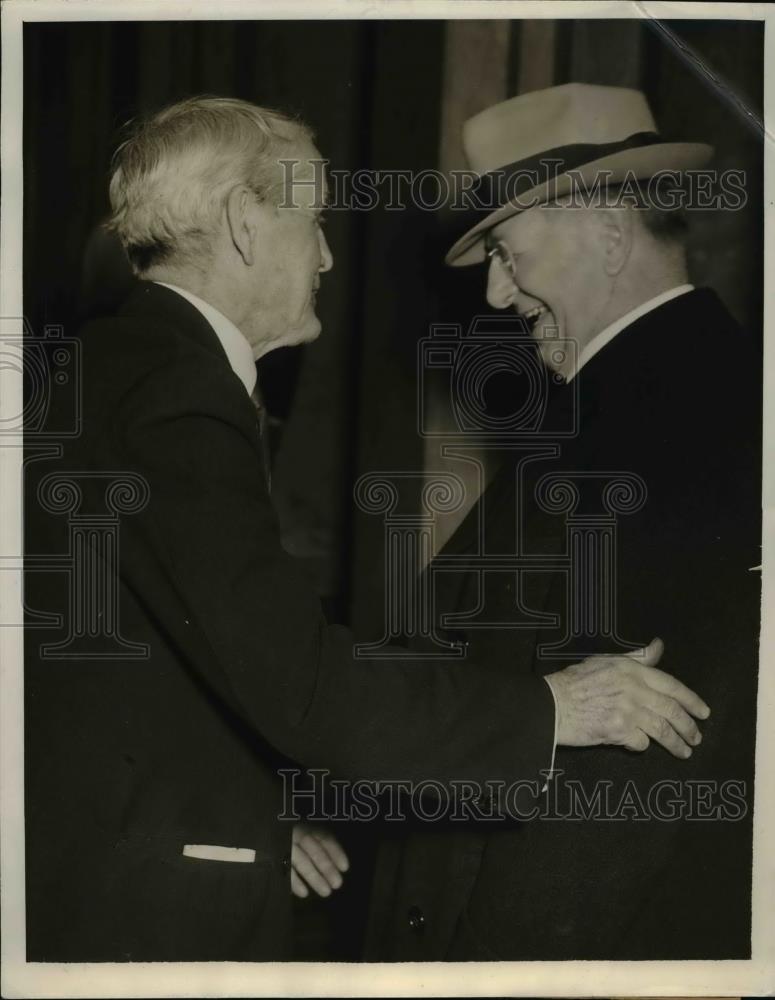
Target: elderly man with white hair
(152, 788)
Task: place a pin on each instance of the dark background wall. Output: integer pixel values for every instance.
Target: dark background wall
(380, 95)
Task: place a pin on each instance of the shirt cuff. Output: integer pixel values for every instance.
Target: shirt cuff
(550, 773)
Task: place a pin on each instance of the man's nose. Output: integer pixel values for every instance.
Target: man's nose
(501, 288)
(326, 257)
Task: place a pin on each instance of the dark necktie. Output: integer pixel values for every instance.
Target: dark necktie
(263, 429)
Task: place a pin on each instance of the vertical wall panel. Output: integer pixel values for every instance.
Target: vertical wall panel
(606, 52)
(538, 40)
(477, 74)
(398, 300)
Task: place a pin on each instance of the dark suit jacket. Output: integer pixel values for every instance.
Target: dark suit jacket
(676, 399)
(129, 759)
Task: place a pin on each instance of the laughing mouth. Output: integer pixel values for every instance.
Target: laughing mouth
(532, 316)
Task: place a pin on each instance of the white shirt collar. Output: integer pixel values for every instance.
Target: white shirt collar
(236, 347)
(606, 336)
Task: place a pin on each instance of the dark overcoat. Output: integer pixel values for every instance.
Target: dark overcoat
(662, 868)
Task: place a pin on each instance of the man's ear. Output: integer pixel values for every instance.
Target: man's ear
(241, 222)
(616, 234)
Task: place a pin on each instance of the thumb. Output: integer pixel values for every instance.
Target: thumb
(650, 655)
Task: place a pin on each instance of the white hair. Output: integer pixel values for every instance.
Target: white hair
(170, 179)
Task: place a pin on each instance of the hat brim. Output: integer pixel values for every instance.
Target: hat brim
(639, 164)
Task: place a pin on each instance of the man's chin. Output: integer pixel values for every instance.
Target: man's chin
(312, 331)
(304, 334)
(551, 343)
(546, 328)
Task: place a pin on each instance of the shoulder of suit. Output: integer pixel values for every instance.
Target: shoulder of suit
(149, 362)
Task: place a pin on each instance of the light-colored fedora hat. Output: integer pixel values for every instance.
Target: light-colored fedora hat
(596, 132)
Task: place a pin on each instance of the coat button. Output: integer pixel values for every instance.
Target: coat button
(286, 862)
(416, 919)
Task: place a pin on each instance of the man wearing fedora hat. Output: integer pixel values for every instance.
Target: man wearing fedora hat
(621, 857)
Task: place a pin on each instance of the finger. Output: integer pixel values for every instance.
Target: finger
(667, 684)
(660, 730)
(335, 851)
(304, 867)
(321, 860)
(637, 741)
(652, 654)
(680, 720)
(649, 656)
(297, 886)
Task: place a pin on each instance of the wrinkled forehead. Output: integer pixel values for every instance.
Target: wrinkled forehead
(301, 176)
